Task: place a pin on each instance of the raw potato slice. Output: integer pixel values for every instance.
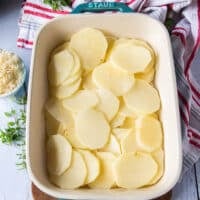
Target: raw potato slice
(130, 57)
(108, 104)
(59, 113)
(80, 101)
(88, 83)
(159, 158)
(113, 146)
(65, 91)
(142, 98)
(146, 76)
(74, 141)
(60, 67)
(59, 153)
(106, 179)
(134, 170)
(129, 143)
(111, 78)
(91, 45)
(139, 42)
(148, 133)
(75, 176)
(92, 164)
(118, 121)
(92, 129)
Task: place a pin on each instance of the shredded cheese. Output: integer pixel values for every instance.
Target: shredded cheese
(10, 71)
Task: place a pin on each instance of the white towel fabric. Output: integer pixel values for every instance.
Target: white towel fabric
(185, 37)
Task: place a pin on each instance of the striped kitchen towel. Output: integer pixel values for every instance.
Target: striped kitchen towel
(185, 37)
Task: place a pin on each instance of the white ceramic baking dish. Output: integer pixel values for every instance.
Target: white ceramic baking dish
(120, 25)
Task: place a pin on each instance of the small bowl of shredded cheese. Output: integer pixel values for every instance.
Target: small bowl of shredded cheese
(12, 73)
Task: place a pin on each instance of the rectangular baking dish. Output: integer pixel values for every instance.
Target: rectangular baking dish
(120, 25)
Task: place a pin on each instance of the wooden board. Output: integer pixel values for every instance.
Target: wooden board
(38, 195)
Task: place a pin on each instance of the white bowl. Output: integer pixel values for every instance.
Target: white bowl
(121, 25)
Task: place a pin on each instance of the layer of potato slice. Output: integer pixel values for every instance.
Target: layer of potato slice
(81, 100)
(59, 153)
(59, 113)
(91, 45)
(107, 76)
(60, 67)
(106, 179)
(142, 98)
(64, 91)
(112, 146)
(142, 43)
(130, 57)
(75, 176)
(148, 133)
(92, 164)
(134, 170)
(108, 103)
(158, 155)
(92, 129)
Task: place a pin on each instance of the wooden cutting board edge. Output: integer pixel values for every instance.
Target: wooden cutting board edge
(38, 195)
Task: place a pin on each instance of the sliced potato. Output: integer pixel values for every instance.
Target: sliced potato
(60, 67)
(142, 98)
(106, 179)
(130, 57)
(111, 42)
(59, 153)
(158, 155)
(126, 111)
(88, 83)
(92, 129)
(59, 113)
(91, 45)
(92, 164)
(134, 170)
(118, 121)
(108, 104)
(118, 131)
(112, 146)
(129, 143)
(148, 133)
(74, 140)
(82, 100)
(142, 43)
(75, 176)
(106, 76)
(64, 91)
(146, 76)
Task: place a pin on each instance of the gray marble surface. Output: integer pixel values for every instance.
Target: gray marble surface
(14, 184)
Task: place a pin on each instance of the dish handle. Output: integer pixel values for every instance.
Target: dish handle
(101, 7)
